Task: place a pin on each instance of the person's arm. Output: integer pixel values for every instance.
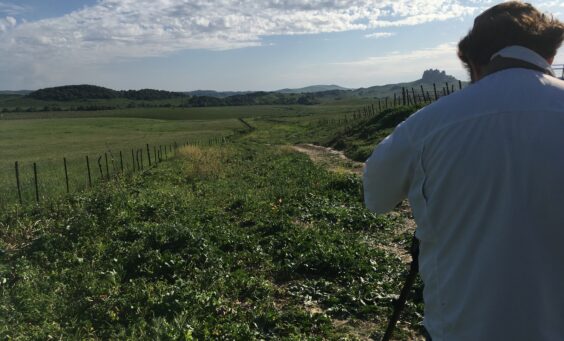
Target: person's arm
(388, 171)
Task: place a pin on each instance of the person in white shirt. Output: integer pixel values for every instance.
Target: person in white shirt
(483, 169)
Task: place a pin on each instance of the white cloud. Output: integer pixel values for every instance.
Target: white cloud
(139, 28)
(7, 23)
(378, 35)
(10, 9)
(48, 50)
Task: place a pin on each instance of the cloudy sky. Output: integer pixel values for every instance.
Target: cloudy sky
(232, 45)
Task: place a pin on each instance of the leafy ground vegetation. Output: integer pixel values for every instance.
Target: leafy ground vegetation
(244, 241)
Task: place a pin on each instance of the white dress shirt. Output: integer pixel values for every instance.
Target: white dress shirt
(483, 170)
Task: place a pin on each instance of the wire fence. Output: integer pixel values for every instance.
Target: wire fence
(31, 182)
(421, 95)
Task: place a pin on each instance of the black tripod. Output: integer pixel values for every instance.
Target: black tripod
(400, 302)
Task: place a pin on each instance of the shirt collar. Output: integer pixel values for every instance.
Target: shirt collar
(525, 54)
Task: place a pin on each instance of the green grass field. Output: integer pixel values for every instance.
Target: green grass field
(47, 142)
(47, 137)
(242, 240)
(205, 113)
(245, 241)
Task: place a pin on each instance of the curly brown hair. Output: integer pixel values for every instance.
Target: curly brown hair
(507, 24)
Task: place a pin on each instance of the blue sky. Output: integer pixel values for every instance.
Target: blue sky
(232, 45)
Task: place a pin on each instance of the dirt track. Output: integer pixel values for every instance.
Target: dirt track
(336, 160)
(332, 159)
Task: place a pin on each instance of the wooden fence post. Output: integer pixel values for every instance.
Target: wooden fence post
(18, 182)
(403, 101)
(149, 155)
(66, 174)
(36, 182)
(435, 89)
(423, 93)
(460, 85)
(100, 167)
(121, 161)
(89, 175)
(107, 168)
(132, 161)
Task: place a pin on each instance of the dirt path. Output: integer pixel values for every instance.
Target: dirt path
(337, 161)
(334, 160)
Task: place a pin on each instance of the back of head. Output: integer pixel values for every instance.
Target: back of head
(507, 24)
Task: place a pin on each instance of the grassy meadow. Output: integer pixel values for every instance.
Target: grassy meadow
(47, 137)
(48, 141)
(242, 240)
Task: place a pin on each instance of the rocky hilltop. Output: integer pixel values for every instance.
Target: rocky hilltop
(437, 76)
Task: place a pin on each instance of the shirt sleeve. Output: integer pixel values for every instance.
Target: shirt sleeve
(388, 171)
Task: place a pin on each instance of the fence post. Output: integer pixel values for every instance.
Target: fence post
(423, 93)
(121, 161)
(66, 174)
(448, 88)
(18, 182)
(100, 167)
(137, 160)
(107, 168)
(403, 96)
(141, 158)
(36, 182)
(460, 85)
(435, 89)
(88, 168)
(132, 161)
(149, 155)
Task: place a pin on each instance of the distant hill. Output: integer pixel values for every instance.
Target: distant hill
(311, 89)
(200, 98)
(316, 94)
(82, 92)
(429, 77)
